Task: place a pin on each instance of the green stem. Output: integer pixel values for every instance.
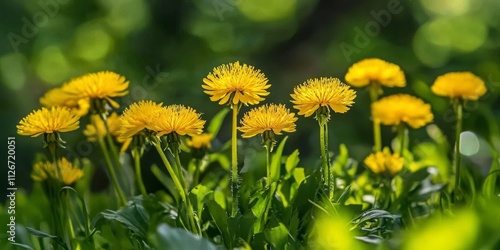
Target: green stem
(190, 212)
(111, 170)
(196, 172)
(324, 160)
(377, 138)
(171, 171)
(457, 158)
(268, 165)
(177, 182)
(401, 137)
(234, 161)
(137, 163)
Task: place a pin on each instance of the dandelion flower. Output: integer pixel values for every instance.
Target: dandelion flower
(97, 129)
(100, 85)
(235, 83)
(269, 117)
(323, 92)
(180, 120)
(464, 85)
(374, 70)
(47, 121)
(202, 140)
(402, 108)
(384, 162)
(57, 97)
(48, 170)
(139, 116)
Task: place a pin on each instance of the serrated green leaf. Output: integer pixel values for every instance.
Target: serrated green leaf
(291, 163)
(277, 236)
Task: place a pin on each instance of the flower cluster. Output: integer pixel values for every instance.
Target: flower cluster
(384, 163)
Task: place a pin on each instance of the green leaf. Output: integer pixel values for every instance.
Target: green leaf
(132, 217)
(277, 236)
(22, 245)
(165, 180)
(168, 237)
(489, 184)
(220, 218)
(41, 234)
(216, 122)
(276, 161)
(291, 163)
(200, 192)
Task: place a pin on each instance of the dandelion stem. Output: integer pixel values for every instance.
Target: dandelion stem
(458, 110)
(111, 170)
(189, 207)
(324, 160)
(175, 179)
(268, 164)
(137, 162)
(401, 135)
(377, 139)
(234, 160)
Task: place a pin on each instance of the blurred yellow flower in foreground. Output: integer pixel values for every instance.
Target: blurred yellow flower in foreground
(202, 140)
(100, 85)
(322, 92)
(402, 108)
(235, 83)
(57, 97)
(180, 120)
(333, 232)
(464, 85)
(48, 170)
(47, 121)
(96, 129)
(374, 70)
(269, 117)
(138, 117)
(384, 162)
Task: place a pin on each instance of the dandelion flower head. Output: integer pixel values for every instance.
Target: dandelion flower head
(100, 85)
(464, 85)
(179, 119)
(47, 121)
(236, 83)
(322, 92)
(384, 162)
(402, 108)
(139, 116)
(48, 170)
(97, 129)
(202, 140)
(269, 117)
(374, 70)
(57, 97)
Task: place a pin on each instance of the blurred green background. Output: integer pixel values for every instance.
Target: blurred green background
(165, 48)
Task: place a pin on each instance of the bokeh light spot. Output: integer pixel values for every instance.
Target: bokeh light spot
(12, 70)
(92, 42)
(267, 10)
(51, 65)
(469, 143)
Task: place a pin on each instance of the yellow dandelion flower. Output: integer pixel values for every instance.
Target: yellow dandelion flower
(395, 109)
(374, 70)
(323, 92)
(463, 85)
(47, 121)
(202, 140)
(48, 170)
(235, 83)
(96, 129)
(180, 120)
(100, 85)
(138, 117)
(57, 97)
(384, 162)
(269, 117)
